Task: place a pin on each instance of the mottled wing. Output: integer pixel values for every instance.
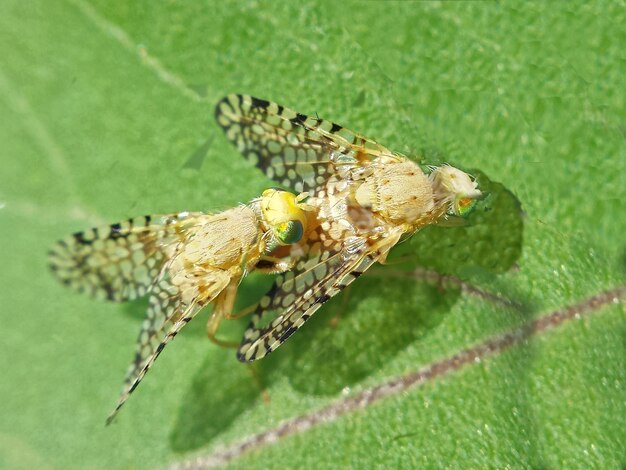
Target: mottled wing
(297, 151)
(120, 261)
(165, 311)
(167, 314)
(297, 294)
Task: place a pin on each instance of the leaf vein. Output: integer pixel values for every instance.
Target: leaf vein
(488, 347)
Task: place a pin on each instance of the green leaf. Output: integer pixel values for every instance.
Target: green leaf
(107, 114)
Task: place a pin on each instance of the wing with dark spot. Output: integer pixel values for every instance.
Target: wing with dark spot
(297, 151)
(296, 295)
(119, 262)
(167, 314)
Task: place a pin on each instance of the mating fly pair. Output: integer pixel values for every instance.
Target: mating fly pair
(355, 201)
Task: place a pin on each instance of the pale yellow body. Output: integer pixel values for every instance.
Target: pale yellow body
(387, 198)
(398, 191)
(218, 252)
(365, 199)
(183, 262)
(387, 194)
(220, 249)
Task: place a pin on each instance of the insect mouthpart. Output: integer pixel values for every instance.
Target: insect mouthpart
(464, 206)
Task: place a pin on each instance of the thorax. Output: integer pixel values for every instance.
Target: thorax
(225, 241)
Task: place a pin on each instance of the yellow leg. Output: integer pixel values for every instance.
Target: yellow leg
(242, 313)
(223, 305)
(385, 245)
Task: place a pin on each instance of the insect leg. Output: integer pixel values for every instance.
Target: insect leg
(383, 246)
(223, 305)
(273, 265)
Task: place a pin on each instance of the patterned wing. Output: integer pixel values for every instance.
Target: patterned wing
(167, 314)
(125, 261)
(297, 151)
(299, 293)
(121, 261)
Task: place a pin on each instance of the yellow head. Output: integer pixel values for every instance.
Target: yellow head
(283, 215)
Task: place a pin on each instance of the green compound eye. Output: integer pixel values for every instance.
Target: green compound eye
(289, 232)
(464, 206)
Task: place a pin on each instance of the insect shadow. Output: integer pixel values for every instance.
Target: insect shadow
(361, 330)
(393, 306)
(358, 332)
(220, 391)
(222, 388)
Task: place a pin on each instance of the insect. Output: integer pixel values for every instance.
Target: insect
(183, 262)
(366, 199)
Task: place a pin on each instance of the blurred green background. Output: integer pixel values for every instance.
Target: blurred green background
(106, 111)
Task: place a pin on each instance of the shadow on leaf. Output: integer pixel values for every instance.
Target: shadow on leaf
(366, 326)
(357, 336)
(489, 242)
(221, 390)
(377, 318)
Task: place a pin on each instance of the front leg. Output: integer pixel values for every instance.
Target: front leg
(384, 245)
